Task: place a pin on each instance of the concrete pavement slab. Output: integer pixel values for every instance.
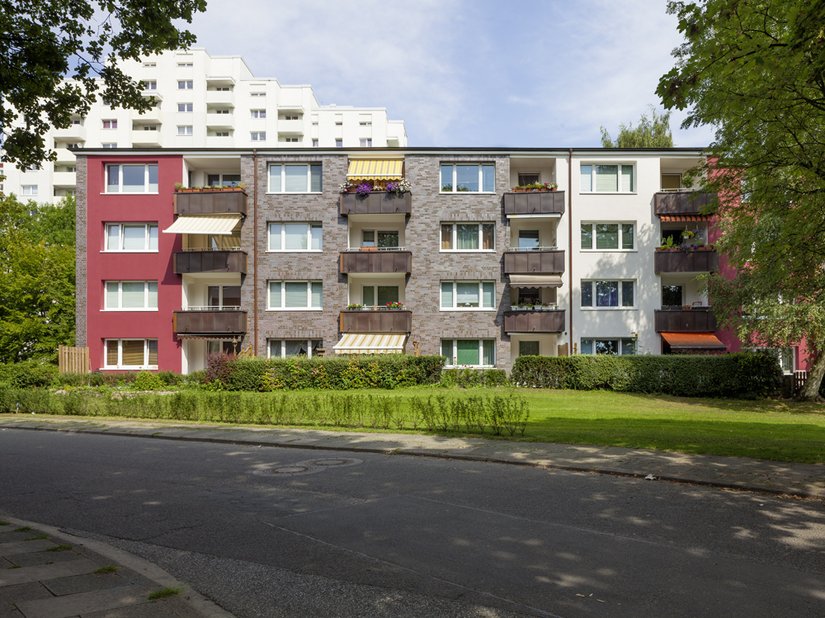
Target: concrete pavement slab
(25, 547)
(24, 575)
(85, 602)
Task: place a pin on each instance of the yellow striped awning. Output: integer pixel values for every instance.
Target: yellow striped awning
(375, 169)
(218, 225)
(370, 343)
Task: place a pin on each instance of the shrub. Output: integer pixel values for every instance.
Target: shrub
(148, 381)
(744, 374)
(28, 374)
(467, 378)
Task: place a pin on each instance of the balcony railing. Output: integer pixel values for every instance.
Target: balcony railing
(211, 202)
(378, 203)
(386, 260)
(374, 320)
(682, 202)
(228, 321)
(535, 261)
(686, 261)
(539, 203)
(684, 320)
(209, 261)
(532, 321)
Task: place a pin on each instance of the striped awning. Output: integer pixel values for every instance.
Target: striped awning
(683, 218)
(218, 225)
(370, 343)
(535, 281)
(375, 169)
(693, 341)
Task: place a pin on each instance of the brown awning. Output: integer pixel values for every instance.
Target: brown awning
(683, 218)
(693, 341)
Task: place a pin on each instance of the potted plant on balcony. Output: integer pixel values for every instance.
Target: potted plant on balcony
(355, 307)
(398, 187)
(394, 305)
(536, 187)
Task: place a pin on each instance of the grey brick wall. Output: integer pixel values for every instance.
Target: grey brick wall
(81, 299)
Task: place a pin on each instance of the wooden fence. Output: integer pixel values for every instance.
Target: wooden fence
(73, 360)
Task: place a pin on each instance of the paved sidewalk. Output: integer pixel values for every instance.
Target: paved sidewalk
(805, 480)
(49, 573)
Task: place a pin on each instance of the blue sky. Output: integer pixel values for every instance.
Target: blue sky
(514, 73)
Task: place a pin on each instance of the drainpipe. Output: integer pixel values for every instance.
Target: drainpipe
(255, 251)
(570, 248)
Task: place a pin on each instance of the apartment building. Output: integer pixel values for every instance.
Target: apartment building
(303, 259)
(204, 101)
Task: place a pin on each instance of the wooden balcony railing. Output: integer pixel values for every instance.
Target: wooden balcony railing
(682, 202)
(543, 203)
(378, 203)
(686, 261)
(229, 322)
(685, 320)
(210, 262)
(375, 321)
(211, 202)
(393, 261)
(534, 321)
(548, 261)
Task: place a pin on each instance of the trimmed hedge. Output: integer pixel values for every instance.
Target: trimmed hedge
(469, 378)
(743, 375)
(381, 371)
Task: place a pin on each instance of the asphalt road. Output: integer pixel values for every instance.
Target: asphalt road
(289, 532)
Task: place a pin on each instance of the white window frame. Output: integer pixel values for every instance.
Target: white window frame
(185, 84)
(619, 307)
(339, 142)
(185, 65)
(120, 190)
(315, 142)
(120, 225)
(454, 240)
(454, 184)
(185, 108)
(291, 140)
(120, 365)
(620, 347)
(185, 130)
(29, 190)
(257, 136)
(109, 145)
(365, 142)
(452, 362)
(619, 182)
(257, 113)
(109, 123)
(593, 225)
(282, 236)
(455, 307)
(283, 340)
(257, 94)
(282, 187)
(283, 306)
(150, 84)
(146, 287)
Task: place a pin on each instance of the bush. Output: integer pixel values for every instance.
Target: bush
(743, 375)
(467, 378)
(148, 381)
(28, 374)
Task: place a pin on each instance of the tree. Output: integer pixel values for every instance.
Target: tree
(37, 278)
(652, 132)
(45, 41)
(755, 70)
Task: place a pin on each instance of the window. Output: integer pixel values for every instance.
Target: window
(29, 190)
(527, 179)
(315, 142)
(150, 84)
(258, 136)
(528, 348)
(385, 239)
(295, 178)
(379, 295)
(150, 64)
(528, 240)
(469, 352)
(258, 113)
(220, 110)
(289, 117)
(131, 354)
(228, 347)
(109, 145)
(672, 296)
(223, 296)
(184, 107)
(185, 84)
(185, 65)
(295, 295)
(223, 180)
(131, 237)
(339, 143)
(286, 348)
(132, 178)
(597, 178)
(619, 346)
(607, 294)
(131, 296)
(295, 237)
(365, 142)
(257, 94)
(608, 236)
(184, 129)
(292, 140)
(110, 124)
(477, 295)
(468, 236)
(472, 178)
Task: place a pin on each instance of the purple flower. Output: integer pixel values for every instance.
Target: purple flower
(364, 188)
(392, 187)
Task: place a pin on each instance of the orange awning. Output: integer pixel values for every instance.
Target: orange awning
(683, 218)
(693, 341)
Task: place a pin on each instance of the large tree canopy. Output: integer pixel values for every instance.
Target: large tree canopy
(651, 132)
(755, 70)
(44, 41)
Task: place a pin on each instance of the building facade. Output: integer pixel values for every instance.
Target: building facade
(204, 101)
(490, 254)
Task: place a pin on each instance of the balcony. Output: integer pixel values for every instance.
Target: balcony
(76, 132)
(531, 321)
(538, 203)
(375, 321)
(210, 321)
(210, 202)
(685, 320)
(210, 262)
(219, 120)
(64, 179)
(219, 141)
(64, 155)
(225, 97)
(144, 137)
(153, 114)
(393, 261)
(682, 202)
(379, 203)
(291, 127)
(686, 261)
(535, 261)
